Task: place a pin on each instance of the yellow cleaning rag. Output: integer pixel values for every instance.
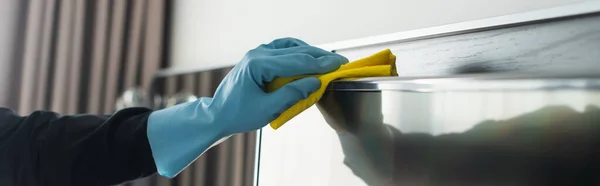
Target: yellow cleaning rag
(376, 65)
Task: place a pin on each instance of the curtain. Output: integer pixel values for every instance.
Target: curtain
(73, 56)
(78, 56)
(12, 17)
(230, 163)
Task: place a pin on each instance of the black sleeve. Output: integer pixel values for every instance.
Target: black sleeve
(45, 148)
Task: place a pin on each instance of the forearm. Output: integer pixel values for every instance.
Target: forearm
(45, 148)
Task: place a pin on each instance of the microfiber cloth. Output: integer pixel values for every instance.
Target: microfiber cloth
(377, 65)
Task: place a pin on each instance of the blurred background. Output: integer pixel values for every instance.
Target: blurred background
(79, 56)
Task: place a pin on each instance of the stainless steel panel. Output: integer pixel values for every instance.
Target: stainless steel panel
(468, 131)
(568, 44)
(450, 128)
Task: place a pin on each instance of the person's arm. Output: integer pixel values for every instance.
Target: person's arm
(45, 148)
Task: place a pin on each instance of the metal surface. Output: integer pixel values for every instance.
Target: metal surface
(492, 134)
(535, 127)
(482, 82)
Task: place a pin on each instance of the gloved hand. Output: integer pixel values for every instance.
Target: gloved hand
(180, 134)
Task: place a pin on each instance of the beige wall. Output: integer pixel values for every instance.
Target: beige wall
(209, 32)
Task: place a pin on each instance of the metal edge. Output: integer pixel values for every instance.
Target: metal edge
(467, 85)
(486, 76)
(257, 157)
(549, 14)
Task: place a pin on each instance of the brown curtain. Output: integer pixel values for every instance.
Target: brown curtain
(74, 56)
(78, 56)
(231, 163)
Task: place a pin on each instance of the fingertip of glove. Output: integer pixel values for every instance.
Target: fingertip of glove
(331, 62)
(312, 83)
(304, 87)
(301, 87)
(344, 60)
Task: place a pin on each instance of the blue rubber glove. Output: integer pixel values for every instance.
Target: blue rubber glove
(180, 134)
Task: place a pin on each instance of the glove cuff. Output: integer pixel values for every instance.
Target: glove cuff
(178, 135)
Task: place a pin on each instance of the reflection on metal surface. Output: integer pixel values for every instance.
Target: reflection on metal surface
(500, 136)
(502, 81)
